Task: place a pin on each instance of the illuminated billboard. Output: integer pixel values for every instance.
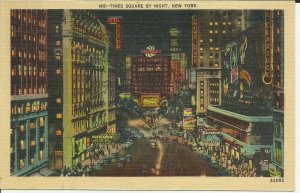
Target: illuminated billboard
(117, 21)
(194, 41)
(246, 70)
(189, 121)
(150, 101)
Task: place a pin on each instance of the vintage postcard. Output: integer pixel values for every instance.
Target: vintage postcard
(147, 95)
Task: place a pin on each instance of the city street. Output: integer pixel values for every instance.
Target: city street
(168, 159)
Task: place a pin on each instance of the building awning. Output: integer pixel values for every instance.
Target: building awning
(46, 172)
(210, 138)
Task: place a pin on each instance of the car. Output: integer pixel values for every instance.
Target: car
(121, 162)
(152, 143)
(213, 164)
(106, 161)
(128, 158)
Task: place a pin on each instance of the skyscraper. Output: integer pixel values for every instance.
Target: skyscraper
(211, 29)
(81, 93)
(29, 94)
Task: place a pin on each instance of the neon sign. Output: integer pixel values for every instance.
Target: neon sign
(234, 74)
(117, 21)
(194, 41)
(150, 51)
(267, 76)
(243, 49)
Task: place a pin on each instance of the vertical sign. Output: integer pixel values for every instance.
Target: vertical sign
(117, 21)
(194, 41)
(267, 76)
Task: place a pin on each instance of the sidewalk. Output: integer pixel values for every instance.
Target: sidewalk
(107, 149)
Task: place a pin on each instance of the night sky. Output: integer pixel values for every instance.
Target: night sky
(143, 28)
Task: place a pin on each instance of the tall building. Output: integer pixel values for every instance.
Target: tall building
(211, 29)
(80, 92)
(55, 87)
(151, 75)
(245, 118)
(276, 168)
(178, 62)
(29, 95)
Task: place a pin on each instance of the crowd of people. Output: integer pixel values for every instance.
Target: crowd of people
(88, 166)
(237, 167)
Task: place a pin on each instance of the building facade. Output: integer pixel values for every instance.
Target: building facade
(80, 113)
(178, 63)
(276, 168)
(212, 29)
(151, 75)
(29, 92)
(245, 117)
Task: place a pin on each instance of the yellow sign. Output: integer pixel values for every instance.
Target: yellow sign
(150, 100)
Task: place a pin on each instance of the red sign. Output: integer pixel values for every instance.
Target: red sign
(117, 21)
(114, 20)
(267, 76)
(194, 41)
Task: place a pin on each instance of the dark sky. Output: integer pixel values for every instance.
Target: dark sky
(143, 28)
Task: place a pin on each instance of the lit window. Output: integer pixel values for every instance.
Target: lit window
(21, 163)
(229, 23)
(58, 43)
(57, 29)
(210, 40)
(201, 40)
(58, 115)
(41, 154)
(57, 56)
(224, 32)
(58, 132)
(211, 48)
(216, 48)
(224, 23)
(210, 31)
(41, 121)
(58, 100)
(210, 23)
(22, 145)
(58, 71)
(216, 23)
(216, 31)
(201, 48)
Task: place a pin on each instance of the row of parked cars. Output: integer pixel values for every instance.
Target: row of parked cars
(114, 158)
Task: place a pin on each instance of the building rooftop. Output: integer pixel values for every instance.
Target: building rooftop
(242, 114)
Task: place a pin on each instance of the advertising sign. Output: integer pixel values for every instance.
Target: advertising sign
(194, 41)
(151, 101)
(187, 112)
(150, 51)
(189, 123)
(267, 76)
(117, 21)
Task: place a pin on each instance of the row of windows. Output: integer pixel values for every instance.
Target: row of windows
(31, 160)
(23, 70)
(150, 60)
(41, 55)
(217, 23)
(217, 31)
(30, 17)
(17, 90)
(31, 125)
(29, 107)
